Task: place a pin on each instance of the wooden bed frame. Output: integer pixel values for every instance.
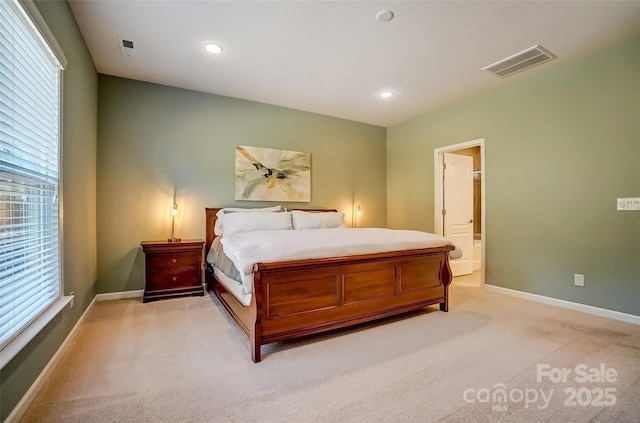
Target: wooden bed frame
(296, 298)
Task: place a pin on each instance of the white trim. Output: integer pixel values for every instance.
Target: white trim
(120, 295)
(19, 410)
(438, 162)
(597, 311)
(23, 338)
(43, 31)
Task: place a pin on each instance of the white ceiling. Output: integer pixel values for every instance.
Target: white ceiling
(334, 57)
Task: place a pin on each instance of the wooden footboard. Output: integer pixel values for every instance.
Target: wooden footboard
(302, 297)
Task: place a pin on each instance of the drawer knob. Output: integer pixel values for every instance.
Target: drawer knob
(174, 260)
(175, 278)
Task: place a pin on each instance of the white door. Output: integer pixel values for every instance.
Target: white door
(458, 209)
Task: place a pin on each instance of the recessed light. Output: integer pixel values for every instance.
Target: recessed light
(213, 48)
(386, 94)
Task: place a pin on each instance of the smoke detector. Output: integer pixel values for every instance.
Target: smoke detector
(526, 59)
(384, 15)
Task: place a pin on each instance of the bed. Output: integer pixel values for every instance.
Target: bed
(294, 298)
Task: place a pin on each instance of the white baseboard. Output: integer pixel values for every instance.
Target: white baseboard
(120, 295)
(20, 408)
(35, 387)
(602, 312)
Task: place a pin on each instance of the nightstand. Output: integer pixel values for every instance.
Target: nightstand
(173, 269)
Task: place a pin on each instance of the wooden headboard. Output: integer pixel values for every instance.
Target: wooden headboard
(211, 222)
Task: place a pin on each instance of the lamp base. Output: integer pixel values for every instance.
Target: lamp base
(174, 240)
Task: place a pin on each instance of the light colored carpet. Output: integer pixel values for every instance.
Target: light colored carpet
(184, 360)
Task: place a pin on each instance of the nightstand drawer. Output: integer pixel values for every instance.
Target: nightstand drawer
(174, 260)
(174, 278)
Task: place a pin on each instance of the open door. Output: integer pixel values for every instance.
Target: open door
(458, 209)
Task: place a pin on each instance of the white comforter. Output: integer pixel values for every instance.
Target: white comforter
(248, 248)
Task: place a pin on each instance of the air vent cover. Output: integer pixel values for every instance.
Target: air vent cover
(520, 61)
(126, 47)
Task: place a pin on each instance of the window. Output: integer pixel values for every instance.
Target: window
(30, 80)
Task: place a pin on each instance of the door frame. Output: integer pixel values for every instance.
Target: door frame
(438, 192)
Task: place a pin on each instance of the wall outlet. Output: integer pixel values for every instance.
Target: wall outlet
(628, 204)
(578, 279)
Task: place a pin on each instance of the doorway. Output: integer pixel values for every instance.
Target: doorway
(462, 183)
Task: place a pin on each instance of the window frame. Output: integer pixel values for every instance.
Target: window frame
(44, 317)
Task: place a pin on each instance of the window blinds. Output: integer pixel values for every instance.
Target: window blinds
(29, 173)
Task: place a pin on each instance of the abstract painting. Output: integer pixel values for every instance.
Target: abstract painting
(267, 174)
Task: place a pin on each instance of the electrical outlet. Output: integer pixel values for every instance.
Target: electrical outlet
(628, 204)
(578, 279)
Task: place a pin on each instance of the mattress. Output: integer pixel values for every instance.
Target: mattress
(246, 249)
(226, 273)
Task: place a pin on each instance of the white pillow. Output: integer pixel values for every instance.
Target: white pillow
(234, 223)
(218, 229)
(317, 220)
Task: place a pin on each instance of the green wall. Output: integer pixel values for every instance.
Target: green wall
(79, 204)
(154, 138)
(560, 146)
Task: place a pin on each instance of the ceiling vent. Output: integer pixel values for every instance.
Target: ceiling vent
(126, 47)
(526, 59)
